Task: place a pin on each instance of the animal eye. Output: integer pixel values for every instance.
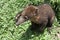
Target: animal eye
(26, 17)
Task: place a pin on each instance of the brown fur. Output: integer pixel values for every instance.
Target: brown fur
(41, 16)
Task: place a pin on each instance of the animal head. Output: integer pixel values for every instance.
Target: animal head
(28, 13)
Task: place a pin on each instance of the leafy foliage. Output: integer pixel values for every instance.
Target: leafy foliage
(8, 29)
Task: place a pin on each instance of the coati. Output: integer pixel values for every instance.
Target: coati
(40, 16)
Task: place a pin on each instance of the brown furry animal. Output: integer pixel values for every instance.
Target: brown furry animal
(40, 16)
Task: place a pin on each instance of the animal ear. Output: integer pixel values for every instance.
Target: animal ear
(36, 10)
